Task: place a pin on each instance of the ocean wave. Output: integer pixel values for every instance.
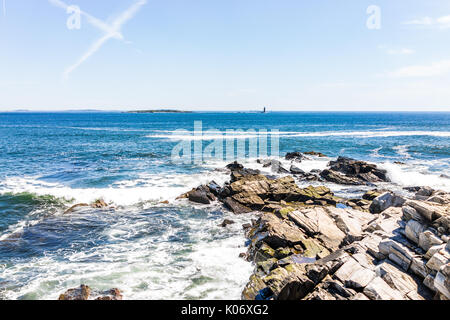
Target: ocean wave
(402, 151)
(142, 263)
(148, 187)
(286, 134)
(415, 174)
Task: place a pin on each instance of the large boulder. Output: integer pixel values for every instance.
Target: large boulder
(359, 169)
(201, 194)
(296, 156)
(276, 232)
(235, 206)
(275, 165)
(335, 177)
(385, 201)
(295, 170)
(235, 166)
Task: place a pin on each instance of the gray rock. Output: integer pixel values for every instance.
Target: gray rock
(235, 206)
(413, 230)
(438, 260)
(360, 279)
(411, 213)
(427, 239)
(296, 170)
(385, 201)
(425, 191)
(378, 289)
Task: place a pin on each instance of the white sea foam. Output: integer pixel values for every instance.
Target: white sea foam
(151, 187)
(415, 174)
(286, 134)
(403, 151)
(147, 267)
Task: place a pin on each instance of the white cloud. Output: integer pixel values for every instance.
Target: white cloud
(434, 69)
(441, 22)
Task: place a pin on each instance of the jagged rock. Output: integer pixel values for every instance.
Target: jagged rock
(316, 194)
(360, 279)
(201, 195)
(413, 230)
(284, 189)
(386, 200)
(411, 213)
(429, 211)
(316, 222)
(358, 204)
(271, 207)
(349, 221)
(427, 239)
(86, 293)
(235, 166)
(317, 154)
(429, 282)
(389, 221)
(278, 233)
(226, 222)
(425, 192)
(399, 280)
(360, 296)
(359, 169)
(395, 252)
(297, 156)
(296, 170)
(113, 294)
(347, 269)
(81, 293)
(433, 250)
(100, 203)
(442, 281)
(335, 177)
(239, 174)
(250, 200)
(438, 260)
(256, 184)
(372, 194)
(214, 188)
(276, 166)
(378, 289)
(235, 206)
(412, 189)
(76, 206)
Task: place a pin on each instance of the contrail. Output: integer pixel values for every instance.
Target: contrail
(112, 31)
(91, 19)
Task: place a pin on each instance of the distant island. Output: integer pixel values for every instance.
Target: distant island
(159, 111)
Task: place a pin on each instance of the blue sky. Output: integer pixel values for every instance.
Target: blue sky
(227, 55)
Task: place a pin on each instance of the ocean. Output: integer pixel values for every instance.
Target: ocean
(151, 249)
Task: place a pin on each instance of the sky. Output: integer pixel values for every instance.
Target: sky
(225, 55)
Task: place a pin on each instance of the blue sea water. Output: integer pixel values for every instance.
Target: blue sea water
(154, 250)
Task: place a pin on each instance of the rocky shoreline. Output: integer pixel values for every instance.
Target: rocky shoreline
(310, 244)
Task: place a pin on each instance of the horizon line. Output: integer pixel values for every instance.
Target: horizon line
(254, 110)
